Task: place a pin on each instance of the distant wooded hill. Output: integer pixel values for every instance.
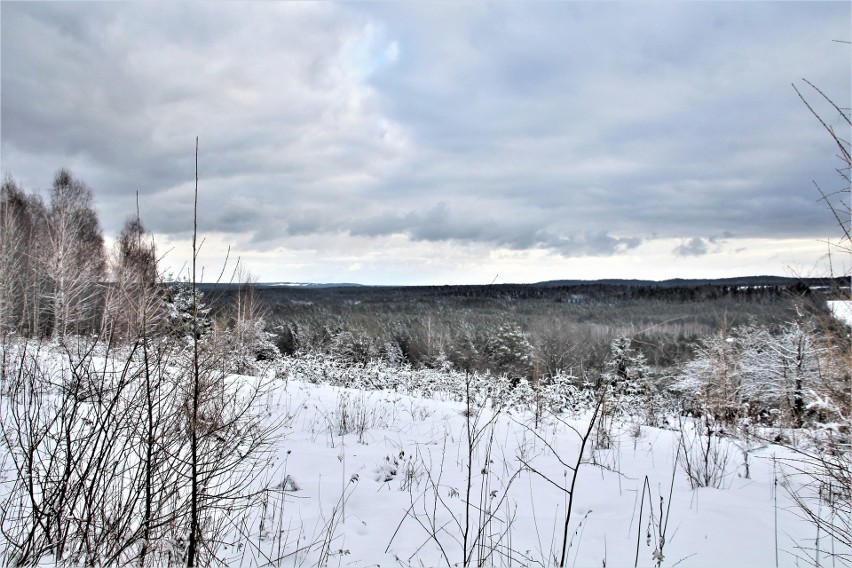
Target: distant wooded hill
(754, 281)
(835, 286)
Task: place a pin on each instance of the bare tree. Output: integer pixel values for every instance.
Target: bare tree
(21, 280)
(134, 299)
(194, 402)
(240, 327)
(74, 258)
(228, 439)
(826, 493)
(132, 446)
(13, 251)
(554, 346)
(36, 317)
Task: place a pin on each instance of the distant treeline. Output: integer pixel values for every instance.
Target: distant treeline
(525, 330)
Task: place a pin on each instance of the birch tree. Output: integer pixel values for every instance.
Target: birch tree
(21, 244)
(13, 217)
(74, 258)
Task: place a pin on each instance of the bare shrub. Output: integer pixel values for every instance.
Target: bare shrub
(482, 530)
(819, 480)
(704, 454)
(354, 413)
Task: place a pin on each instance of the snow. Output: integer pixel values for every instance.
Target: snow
(379, 478)
(842, 310)
(373, 498)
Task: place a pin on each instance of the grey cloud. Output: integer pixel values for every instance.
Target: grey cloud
(597, 243)
(307, 223)
(694, 247)
(675, 94)
(440, 223)
(129, 88)
(383, 224)
(238, 215)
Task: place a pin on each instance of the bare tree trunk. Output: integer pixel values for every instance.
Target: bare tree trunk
(193, 420)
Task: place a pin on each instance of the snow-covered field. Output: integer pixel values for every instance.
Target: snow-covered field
(380, 478)
(393, 492)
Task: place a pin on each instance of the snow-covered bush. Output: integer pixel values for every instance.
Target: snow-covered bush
(559, 394)
(711, 382)
(792, 377)
(510, 351)
(248, 344)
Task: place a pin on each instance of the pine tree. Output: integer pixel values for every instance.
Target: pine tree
(510, 351)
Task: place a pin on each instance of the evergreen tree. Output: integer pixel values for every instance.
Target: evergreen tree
(510, 351)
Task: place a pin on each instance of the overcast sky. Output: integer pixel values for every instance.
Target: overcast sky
(438, 142)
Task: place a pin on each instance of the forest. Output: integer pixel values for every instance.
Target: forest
(554, 328)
